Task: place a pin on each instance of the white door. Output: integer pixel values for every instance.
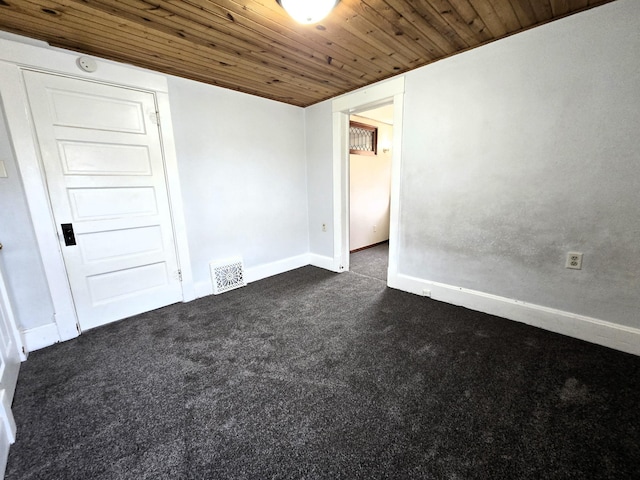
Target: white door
(103, 161)
(9, 367)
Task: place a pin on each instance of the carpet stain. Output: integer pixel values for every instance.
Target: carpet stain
(429, 350)
(396, 415)
(575, 392)
(230, 424)
(388, 329)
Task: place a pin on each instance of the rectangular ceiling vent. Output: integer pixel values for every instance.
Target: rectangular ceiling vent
(227, 275)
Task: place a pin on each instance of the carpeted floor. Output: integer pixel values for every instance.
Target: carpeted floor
(314, 375)
(372, 261)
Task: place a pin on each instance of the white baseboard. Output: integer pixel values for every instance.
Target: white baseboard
(40, 337)
(202, 289)
(265, 270)
(188, 291)
(321, 261)
(253, 274)
(601, 332)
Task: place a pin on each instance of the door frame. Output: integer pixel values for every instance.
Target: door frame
(7, 312)
(387, 92)
(10, 373)
(22, 133)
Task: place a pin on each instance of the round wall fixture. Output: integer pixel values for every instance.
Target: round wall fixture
(87, 64)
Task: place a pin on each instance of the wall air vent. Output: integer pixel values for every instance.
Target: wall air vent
(227, 275)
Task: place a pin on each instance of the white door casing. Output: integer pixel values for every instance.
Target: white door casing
(9, 368)
(103, 161)
(388, 91)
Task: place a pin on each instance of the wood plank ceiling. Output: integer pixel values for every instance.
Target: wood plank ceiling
(253, 46)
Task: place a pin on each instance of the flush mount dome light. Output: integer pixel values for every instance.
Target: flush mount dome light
(308, 11)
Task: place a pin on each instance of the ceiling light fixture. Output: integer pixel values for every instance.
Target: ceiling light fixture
(308, 11)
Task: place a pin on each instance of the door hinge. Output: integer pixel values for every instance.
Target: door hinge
(78, 329)
(155, 117)
(179, 275)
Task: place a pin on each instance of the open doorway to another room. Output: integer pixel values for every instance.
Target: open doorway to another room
(370, 157)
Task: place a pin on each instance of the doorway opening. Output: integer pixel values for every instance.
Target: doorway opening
(370, 190)
(389, 93)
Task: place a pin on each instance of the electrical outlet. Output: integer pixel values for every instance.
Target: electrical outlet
(375, 228)
(574, 260)
(324, 227)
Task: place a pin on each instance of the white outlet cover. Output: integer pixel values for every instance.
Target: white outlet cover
(574, 260)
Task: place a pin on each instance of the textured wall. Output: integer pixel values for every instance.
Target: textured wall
(520, 151)
(21, 257)
(243, 174)
(319, 155)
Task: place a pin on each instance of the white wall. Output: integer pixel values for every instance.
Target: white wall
(242, 168)
(514, 154)
(319, 158)
(25, 275)
(369, 190)
(520, 151)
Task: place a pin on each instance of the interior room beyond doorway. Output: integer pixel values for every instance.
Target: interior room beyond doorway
(370, 192)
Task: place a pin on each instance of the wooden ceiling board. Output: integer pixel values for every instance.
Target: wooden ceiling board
(457, 22)
(253, 46)
(448, 23)
(470, 16)
(257, 51)
(524, 11)
(542, 9)
(507, 16)
(166, 51)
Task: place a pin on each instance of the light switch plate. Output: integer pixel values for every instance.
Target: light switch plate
(3, 171)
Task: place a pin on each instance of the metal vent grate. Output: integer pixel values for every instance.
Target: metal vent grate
(227, 275)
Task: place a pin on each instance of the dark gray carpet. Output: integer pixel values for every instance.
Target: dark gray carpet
(372, 261)
(314, 375)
